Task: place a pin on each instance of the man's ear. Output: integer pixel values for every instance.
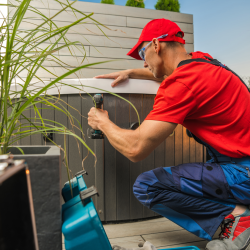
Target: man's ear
(157, 46)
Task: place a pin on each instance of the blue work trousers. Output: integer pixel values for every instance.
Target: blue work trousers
(196, 196)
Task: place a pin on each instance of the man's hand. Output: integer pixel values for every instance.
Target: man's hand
(122, 76)
(119, 77)
(96, 117)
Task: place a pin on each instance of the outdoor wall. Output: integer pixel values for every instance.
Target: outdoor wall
(124, 26)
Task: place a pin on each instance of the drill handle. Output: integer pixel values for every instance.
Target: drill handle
(98, 101)
(98, 106)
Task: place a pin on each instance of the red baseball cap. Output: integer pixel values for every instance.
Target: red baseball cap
(154, 29)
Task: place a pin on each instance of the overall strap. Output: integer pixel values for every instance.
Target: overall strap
(216, 156)
(213, 62)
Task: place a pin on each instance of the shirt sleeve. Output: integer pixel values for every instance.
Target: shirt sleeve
(173, 103)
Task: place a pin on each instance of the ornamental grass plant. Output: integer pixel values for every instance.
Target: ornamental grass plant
(24, 52)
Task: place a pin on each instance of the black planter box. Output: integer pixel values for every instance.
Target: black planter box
(44, 163)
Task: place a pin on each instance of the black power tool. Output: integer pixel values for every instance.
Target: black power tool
(98, 101)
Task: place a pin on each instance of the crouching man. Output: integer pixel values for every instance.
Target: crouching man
(213, 103)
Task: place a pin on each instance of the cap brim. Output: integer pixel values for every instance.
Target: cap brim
(134, 51)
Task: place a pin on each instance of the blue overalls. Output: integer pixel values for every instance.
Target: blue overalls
(197, 196)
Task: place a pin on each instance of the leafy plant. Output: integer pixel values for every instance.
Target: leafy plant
(25, 52)
(135, 3)
(169, 5)
(108, 1)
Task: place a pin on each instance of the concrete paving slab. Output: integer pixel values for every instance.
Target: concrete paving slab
(200, 244)
(160, 232)
(139, 228)
(170, 238)
(127, 242)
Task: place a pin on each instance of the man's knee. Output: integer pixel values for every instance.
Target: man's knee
(143, 188)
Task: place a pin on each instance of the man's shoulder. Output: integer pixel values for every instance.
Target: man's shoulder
(193, 68)
(191, 74)
(199, 54)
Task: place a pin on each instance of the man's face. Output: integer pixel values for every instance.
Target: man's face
(153, 60)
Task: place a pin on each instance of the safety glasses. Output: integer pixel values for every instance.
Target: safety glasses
(143, 50)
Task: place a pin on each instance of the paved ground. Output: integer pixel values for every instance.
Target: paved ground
(162, 233)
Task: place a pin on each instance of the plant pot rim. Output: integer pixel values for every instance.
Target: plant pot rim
(52, 150)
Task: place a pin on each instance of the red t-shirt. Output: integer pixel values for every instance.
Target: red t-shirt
(211, 102)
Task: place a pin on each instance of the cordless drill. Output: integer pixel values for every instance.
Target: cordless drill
(98, 101)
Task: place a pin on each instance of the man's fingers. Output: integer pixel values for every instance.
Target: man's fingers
(118, 76)
(116, 81)
(107, 76)
(100, 76)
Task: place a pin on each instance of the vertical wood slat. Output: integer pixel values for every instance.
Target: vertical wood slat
(48, 114)
(109, 103)
(178, 145)
(136, 208)
(99, 178)
(204, 154)
(62, 118)
(185, 145)
(75, 148)
(160, 155)
(36, 139)
(192, 145)
(148, 162)
(122, 163)
(25, 127)
(170, 151)
(9, 110)
(198, 152)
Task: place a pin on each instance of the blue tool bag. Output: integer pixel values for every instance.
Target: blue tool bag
(81, 225)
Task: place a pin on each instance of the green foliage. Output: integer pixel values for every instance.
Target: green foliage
(108, 1)
(22, 54)
(135, 3)
(169, 5)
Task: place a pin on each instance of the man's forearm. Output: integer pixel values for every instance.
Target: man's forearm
(137, 144)
(123, 140)
(143, 74)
